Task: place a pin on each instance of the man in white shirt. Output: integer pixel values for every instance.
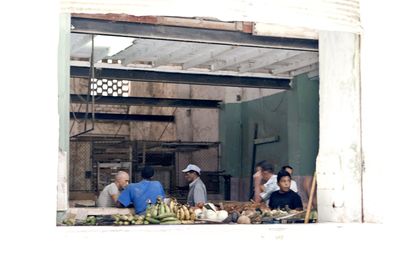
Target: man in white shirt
(109, 196)
(265, 171)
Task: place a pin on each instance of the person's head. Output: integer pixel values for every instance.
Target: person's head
(284, 180)
(192, 172)
(122, 179)
(147, 172)
(288, 168)
(266, 169)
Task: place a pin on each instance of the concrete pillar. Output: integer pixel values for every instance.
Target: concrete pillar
(63, 112)
(339, 159)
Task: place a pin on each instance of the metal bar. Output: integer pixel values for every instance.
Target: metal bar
(227, 187)
(188, 34)
(253, 163)
(183, 78)
(190, 144)
(266, 140)
(150, 101)
(125, 117)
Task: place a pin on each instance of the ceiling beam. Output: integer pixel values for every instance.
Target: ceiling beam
(313, 74)
(149, 101)
(297, 65)
(206, 56)
(304, 69)
(188, 34)
(180, 51)
(143, 53)
(138, 47)
(182, 78)
(240, 58)
(271, 58)
(122, 117)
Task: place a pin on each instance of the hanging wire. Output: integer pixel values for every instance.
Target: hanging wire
(173, 113)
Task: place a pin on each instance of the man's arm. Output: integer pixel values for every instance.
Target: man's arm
(114, 193)
(115, 198)
(269, 189)
(256, 181)
(124, 199)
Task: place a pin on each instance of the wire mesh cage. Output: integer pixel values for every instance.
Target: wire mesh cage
(80, 166)
(93, 164)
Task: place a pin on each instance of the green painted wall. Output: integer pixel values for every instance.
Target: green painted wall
(230, 133)
(237, 122)
(270, 113)
(291, 115)
(303, 125)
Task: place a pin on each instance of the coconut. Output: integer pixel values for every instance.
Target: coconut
(243, 219)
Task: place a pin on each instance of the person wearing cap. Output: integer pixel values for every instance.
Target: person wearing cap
(197, 190)
(109, 195)
(137, 194)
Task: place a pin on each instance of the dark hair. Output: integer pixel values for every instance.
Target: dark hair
(281, 174)
(265, 166)
(286, 166)
(147, 172)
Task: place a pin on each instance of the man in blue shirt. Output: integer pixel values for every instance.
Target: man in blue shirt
(138, 193)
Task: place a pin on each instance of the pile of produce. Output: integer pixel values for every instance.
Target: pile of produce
(234, 206)
(123, 219)
(244, 212)
(172, 213)
(69, 222)
(160, 213)
(313, 216)
(90, 220)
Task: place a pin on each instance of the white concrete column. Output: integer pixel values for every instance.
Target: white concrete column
(339, 159)
(63, 112)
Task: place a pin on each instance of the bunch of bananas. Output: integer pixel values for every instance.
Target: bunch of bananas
(122, 219)
(160, 213)
(69, 221)
(90, 220)
(185, 213)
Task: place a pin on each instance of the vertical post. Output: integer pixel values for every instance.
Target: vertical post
(253, 161)
(339, 161)
(130, 161)
(135, 161)
(144, 153)
(310, 199)
(63, 111)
